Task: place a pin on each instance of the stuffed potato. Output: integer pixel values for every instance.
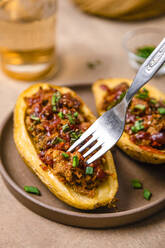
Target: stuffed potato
(47, 120)
(144, 135)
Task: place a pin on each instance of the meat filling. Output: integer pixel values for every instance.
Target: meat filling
(54, 122)
(145, 119)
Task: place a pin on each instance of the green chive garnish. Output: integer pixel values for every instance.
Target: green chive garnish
(153, 101)
(75, 114)
(56, 140)
(90, 65)
(111, 105)
(133, 129)
(142, 94)
(61, 115)
(75, 161)
(136, 184)
(56, 97)
(65, 155)
(75, 135)
(89, 170)
(147, 194)
(54, 108)
(140, 107)
(114, 102)
(161, 111)
(137, 127)
(35, 118)
(71, 119)
(31, 129)
(121, 97)
(32, 190)
(145, 51)
(65, 128)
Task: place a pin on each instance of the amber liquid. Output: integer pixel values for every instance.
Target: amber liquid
(27, 44)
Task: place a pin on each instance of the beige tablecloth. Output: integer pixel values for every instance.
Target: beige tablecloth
(81, 39)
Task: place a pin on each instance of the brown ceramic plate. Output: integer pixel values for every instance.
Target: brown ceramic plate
(131, 205)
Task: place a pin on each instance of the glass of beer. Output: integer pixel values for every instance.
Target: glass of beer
(27, 40)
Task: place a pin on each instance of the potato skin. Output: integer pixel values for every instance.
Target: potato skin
(105, 192)
(141, 154)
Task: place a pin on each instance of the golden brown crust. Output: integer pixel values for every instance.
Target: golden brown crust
(105, 192)
(133, 150)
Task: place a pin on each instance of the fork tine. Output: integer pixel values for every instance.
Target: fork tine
(93, 148)
(88, 143)
(97, 155)
(85, 135)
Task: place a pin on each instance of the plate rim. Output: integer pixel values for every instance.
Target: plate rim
(90, 215)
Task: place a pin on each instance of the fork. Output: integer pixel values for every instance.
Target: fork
(108, 128)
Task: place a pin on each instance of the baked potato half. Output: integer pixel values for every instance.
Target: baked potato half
(144, 135)
(34, 125)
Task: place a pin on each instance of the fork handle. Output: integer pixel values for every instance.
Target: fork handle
(147, 70)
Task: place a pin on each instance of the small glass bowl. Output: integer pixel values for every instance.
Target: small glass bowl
(140, 38)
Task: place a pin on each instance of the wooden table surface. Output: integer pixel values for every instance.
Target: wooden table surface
(80, 39)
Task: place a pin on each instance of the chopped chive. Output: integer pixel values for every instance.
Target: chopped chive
(142, 94)
(65, 155)
(56, 140)
(153, 101)
(56, 97)
(145, 90)
(136, 184)
(75, 135)
(121, 96)
(54, 108)
(147, 194)
(75, 114)
(161, 111)
(145, 51)
(65, 128)
(71, 119)
(137, 127)
(35, 118)
(114, 102)
(140, 107)
(91, 65)
(75, 161)
(89, 170)
(32, 190)
(31, 129)
(134, 130)
(61, 115)
(59, 139)
(111, 105)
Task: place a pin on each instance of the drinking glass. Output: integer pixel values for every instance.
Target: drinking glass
(27, 38)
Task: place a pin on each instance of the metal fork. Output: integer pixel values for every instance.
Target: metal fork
(108, 128)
